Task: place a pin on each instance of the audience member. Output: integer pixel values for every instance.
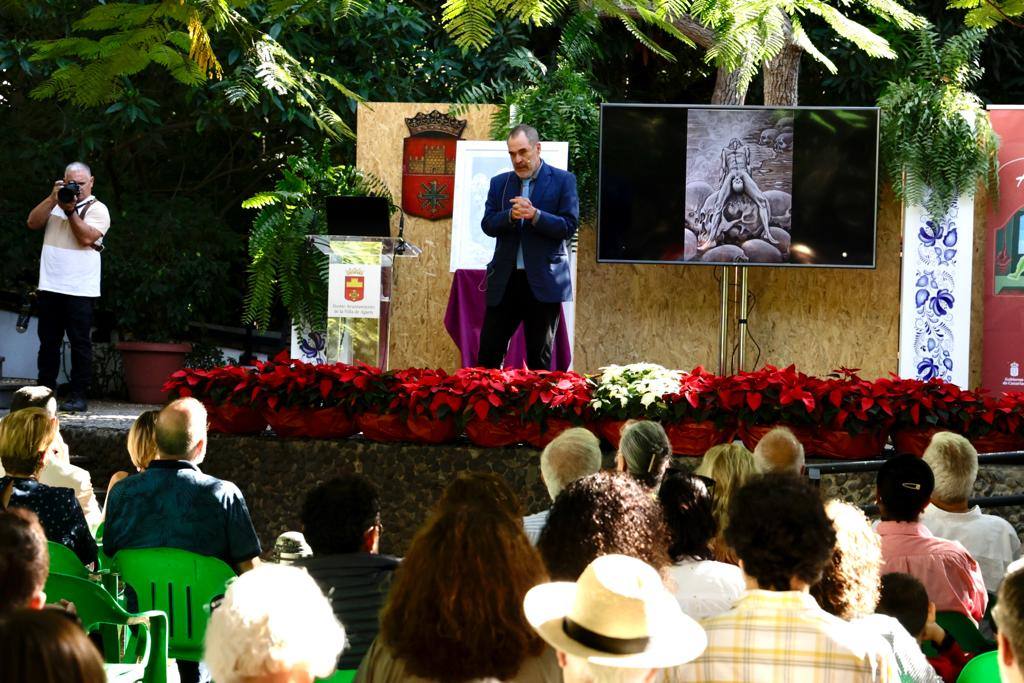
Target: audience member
(572, 455)
(341, 523)
(605, 513)
(777, 632)
(172, 504)
(645, 452)
(1009, 617)
(904, 598)
(24, 561)
(703, 587)
(729, 465)
(616, 623)
(141, 445)
(484, 489)
(989, 539)
(779, 451)
(849, 589)
(58, 470)
(273, 625)
(47, 646)
(454, 612)
(948, 572)
(26, 438)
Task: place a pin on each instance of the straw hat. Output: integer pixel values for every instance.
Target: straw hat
(618, 615)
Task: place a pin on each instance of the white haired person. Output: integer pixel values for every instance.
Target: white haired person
(645, 452)
(616, 623)
(274, 625)
(572, 455)
(989, 539)
(779, 451)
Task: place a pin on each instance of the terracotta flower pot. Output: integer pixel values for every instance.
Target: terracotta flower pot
(913, 440)
(842, 445)
(610, 430)
(311, 423)
(507, 430)
(232, 419)
(548, 430)
(695, 438)
(432, 431)
(147, 366)
(384, 428)
(751, 434)
(997, 442)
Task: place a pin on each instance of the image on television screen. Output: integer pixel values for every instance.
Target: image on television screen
(738, 185)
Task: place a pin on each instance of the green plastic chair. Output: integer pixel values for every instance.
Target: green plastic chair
(983, 668)
(340, 676)
(180, 584)
(64, 561)
(964, 632)
(97, 610)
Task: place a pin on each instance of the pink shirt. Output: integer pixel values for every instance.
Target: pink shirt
(948, 572)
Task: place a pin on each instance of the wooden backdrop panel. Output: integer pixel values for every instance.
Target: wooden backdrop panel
(817, 319)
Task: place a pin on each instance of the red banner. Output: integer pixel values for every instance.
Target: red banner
(1003, 340)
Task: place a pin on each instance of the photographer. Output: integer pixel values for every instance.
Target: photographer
(69, 277)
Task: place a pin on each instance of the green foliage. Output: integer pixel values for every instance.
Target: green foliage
(282, 262)
(177, 35)
(936, 140)
(990, 13)
(164, 267)
(747, 34)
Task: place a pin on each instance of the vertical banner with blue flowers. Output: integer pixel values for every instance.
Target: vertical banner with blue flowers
(935, 306)
(1003, 341)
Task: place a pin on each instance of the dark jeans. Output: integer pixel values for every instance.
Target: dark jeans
(519, 305)
(60, 314)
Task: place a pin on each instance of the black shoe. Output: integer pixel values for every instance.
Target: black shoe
(74, 405)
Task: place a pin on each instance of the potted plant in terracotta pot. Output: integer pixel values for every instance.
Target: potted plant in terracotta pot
(630, 392)
(305, 400)
(772, 397)
(161, 271)
(856, 416)
(227, 392)
(696, 417)
(494, 413)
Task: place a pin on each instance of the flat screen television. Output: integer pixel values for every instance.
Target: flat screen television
(758, 186)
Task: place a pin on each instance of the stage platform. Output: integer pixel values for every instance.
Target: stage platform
(274, 474)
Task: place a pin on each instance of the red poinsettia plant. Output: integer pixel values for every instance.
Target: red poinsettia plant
(556, 395)
(287, 383)
(426, 393)
(492, 394)
(228, 384)
(771, 396)
(934, 403)
(699, 399)
(997, 415)
(849, 403)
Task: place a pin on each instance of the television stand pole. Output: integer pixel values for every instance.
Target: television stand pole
(723, 325)
(742, 322)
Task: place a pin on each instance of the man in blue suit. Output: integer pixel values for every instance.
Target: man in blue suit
(533, 211)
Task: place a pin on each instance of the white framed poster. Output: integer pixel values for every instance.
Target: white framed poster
(476, 162)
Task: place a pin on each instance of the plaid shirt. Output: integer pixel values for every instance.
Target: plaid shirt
(784, 637)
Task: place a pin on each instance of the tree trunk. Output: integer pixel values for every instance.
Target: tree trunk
(727, 88)
(781, 77)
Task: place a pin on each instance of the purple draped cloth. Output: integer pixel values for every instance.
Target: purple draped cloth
(464, 318)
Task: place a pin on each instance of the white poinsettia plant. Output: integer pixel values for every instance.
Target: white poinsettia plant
(632, 391)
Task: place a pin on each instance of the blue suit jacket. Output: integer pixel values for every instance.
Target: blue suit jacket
(545, 244)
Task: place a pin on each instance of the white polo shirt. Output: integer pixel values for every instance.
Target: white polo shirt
(65, 266)
(991, 540)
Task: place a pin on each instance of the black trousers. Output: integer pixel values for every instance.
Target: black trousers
(60, 314)
(519, 305)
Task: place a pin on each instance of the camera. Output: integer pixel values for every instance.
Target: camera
(69, 192)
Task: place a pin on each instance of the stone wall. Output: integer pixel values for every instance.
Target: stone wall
(274, 475)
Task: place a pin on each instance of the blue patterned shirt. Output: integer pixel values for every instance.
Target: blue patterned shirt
(172, 504)
(59, 513)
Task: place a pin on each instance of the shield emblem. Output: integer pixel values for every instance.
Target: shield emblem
(428, 165)
(355, 287)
